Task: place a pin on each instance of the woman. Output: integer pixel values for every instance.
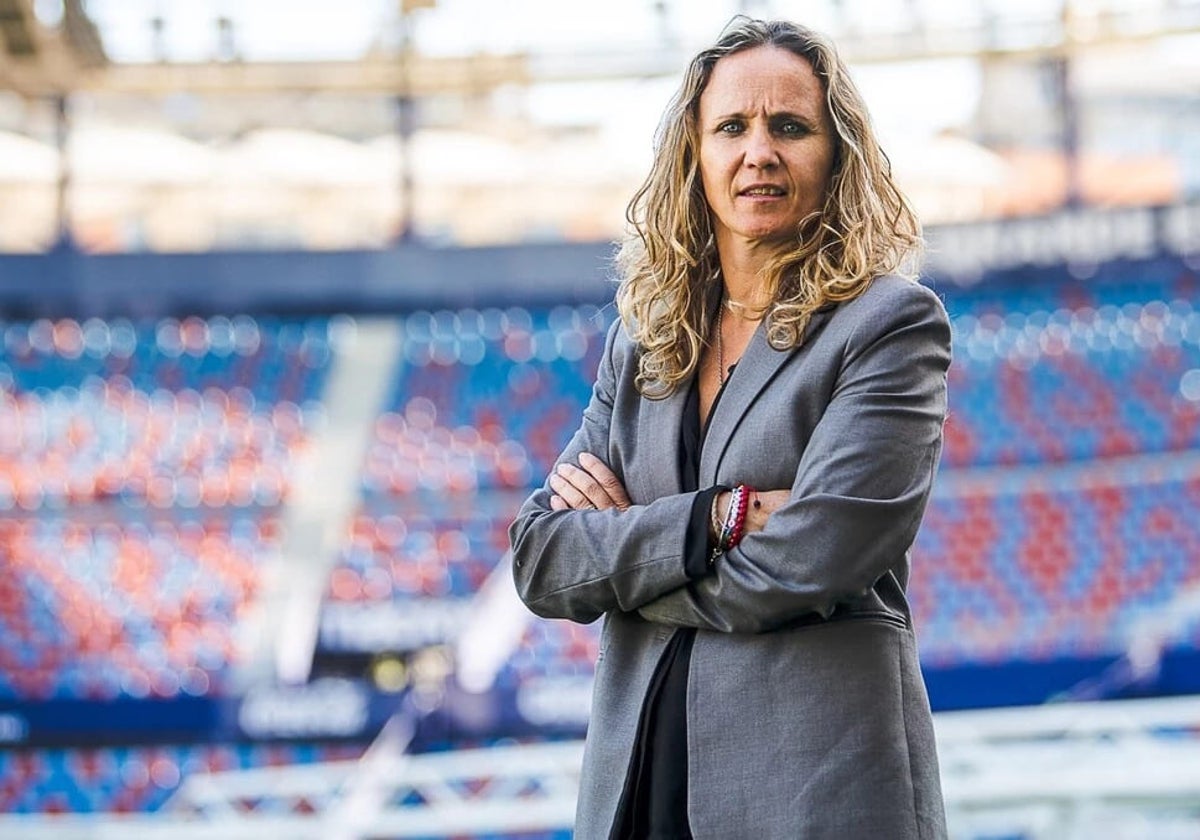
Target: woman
(751, 471)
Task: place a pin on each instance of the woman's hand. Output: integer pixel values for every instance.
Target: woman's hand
(590, 486)
(760, 507)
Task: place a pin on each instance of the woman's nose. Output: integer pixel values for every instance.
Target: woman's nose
(760, 149)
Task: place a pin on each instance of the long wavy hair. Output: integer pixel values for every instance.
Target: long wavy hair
(668, 263)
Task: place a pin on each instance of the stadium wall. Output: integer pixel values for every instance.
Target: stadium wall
(68, 283)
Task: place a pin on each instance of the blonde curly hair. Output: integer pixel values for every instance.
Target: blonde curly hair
(668, 263)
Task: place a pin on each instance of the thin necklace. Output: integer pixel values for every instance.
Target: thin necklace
(733, 306)
(722, 374)
(720, 348)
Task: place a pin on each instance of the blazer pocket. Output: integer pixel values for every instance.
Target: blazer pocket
(875, 616)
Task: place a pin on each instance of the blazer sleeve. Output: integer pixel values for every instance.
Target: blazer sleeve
(860, 489)
(580, 564)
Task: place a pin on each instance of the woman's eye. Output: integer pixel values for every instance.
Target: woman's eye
(729, 127)
(791, 128)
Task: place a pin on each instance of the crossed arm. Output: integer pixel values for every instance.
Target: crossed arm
(853, 510)
(593, 486)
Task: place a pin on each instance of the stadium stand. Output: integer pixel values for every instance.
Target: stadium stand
(496, 375)
(1096, 376)
(1064, 515)
(97, 611)
(481, 403)
(1027, 571)
(151, 460)
(140, 468)
(1083, 378)
(133, 779)
(142, 465)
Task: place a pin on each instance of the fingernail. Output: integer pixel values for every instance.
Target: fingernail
(564, 468)
(586, 456)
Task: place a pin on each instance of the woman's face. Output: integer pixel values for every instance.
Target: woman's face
(766, 146)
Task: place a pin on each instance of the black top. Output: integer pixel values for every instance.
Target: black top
(654, 802)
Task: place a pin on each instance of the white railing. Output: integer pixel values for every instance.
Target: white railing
(1064, 771)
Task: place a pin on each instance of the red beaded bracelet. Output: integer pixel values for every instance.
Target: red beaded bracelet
(733, 527)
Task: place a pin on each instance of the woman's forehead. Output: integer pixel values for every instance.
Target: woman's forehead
(762, 78)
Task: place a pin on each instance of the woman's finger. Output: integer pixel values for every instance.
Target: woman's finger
(566, 484)
(612, 485)
(558, 503)
(582, 482)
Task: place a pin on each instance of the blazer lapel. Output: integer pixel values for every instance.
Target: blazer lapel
(754, 371)
(658, 440)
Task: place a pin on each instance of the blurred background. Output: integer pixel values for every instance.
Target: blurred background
(299, 300)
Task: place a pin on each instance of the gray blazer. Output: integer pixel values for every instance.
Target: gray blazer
(807, 714)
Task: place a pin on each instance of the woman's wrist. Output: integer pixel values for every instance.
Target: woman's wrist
(733, 523)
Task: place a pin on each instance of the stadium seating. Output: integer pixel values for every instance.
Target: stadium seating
(552, 649)
(142, 469)
(476, 391)
(132, 779)
(132, 609)
(141, 466)
(393, 557)
(1047, 387)
(480, 408)
(1050, 372)
(1032, 572)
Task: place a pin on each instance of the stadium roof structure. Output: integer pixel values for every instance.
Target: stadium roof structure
(408, 70)
(41, 56)
(45, 54)
(421, 115)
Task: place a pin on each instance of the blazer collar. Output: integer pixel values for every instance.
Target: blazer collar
(754, 371)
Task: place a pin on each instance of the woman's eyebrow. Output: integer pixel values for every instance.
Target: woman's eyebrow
(774, 115)
(792, 115)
